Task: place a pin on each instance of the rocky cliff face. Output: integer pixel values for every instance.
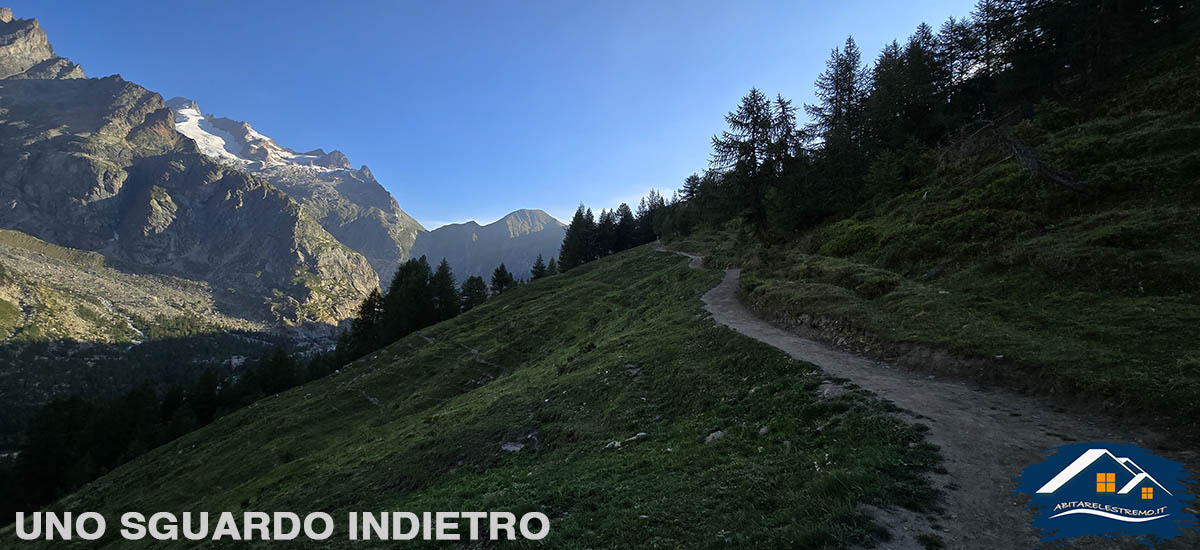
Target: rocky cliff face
(99, 165)
(473, 249)
(25, 51)
(350, 204)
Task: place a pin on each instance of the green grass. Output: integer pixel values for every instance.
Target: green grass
(10, 317)
(419, 426)
(1095, 294)
(79, 258)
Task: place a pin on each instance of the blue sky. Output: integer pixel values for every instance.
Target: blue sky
(469, 110)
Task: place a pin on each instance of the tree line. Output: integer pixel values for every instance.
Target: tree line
(873, 127)
(418, 297)
(589, 238)
(868, 136)
(72, 441)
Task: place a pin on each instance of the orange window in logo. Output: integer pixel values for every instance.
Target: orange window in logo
(1147, 493)
(1106, 483)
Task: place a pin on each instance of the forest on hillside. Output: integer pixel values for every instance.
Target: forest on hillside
(880, 129)
(876, 128)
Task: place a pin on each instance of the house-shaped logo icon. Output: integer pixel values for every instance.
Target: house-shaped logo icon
(1106, 481)
(1106, 490)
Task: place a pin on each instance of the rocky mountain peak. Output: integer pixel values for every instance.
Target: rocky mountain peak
(473, 249)
(525, 221)
(237, 143)
(25, 51)
(176, 103)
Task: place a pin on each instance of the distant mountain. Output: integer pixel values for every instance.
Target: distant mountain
(98, 165)
(274, 237)
(141, 239)
(353, 207)
(473, 249)
(350, 204)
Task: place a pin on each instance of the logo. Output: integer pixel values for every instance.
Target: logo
(1107, 490)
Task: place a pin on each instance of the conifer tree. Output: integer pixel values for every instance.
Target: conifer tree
(502, 280)
(408, 305)
(606, 234)
(552, 267)
(955, 47)
(885, 105)
(578, 243)
(367, 327)
(626, 228)
(838, 118)
(474, 292)
(925, 82)
(742, 152)
(446, 300)
(691, 186)
(539, 268)
(648, 208)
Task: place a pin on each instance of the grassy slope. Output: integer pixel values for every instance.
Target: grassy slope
(1094, 293)
(419, 426)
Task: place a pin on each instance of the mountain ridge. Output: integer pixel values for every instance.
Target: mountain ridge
(354, 207)
(516, 239)
(97, 164)
(105, 165)
(351, 204)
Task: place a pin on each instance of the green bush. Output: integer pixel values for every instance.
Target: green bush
(847, 238)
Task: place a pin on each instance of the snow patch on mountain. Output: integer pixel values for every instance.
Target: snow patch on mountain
(211, 140)
(238, 144)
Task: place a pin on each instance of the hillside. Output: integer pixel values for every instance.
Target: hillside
(516, 404)
(128, 219)
(474, 250)
(986, 268)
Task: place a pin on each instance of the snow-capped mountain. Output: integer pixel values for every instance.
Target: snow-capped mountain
(240, 144)
(350, 204)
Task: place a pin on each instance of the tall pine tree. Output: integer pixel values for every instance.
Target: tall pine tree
(446, 300)
(408, 305)
(367, 328)
(578, 243)
(606, 234)
(626, 228)
(838, 119)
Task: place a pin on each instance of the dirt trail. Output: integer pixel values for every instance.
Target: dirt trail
(986, 436)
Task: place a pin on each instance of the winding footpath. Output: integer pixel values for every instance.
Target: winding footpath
(986, 436)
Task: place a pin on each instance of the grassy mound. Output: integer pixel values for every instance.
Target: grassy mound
(560, 368)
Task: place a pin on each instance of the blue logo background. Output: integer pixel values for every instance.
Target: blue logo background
(1081, 479)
